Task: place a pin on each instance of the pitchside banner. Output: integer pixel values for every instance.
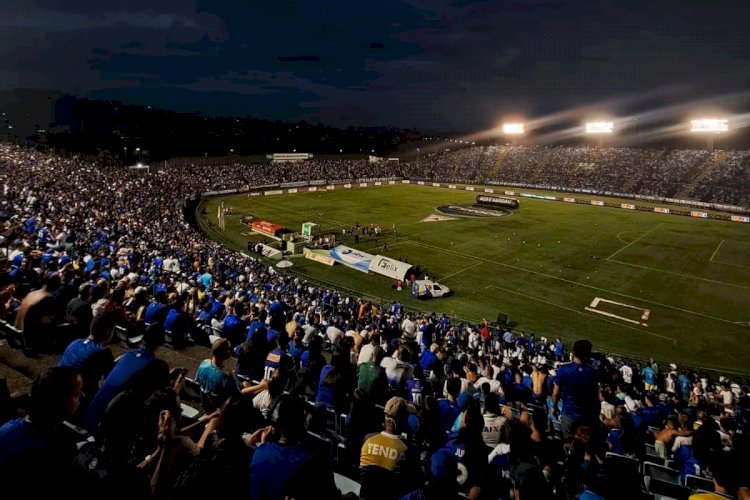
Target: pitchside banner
(701, 215)
(270, 252)
(627, 206)
(394, 269)
(569, 200)
(597, 203)
(497, 201)
(661, 210)
(352, 257)
(740, 218)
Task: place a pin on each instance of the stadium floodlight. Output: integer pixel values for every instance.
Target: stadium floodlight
(600, 127)
(513, 129)
(709, 125)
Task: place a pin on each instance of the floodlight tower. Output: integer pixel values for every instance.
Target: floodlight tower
(514, 131)
(709, 127)
(600, 130)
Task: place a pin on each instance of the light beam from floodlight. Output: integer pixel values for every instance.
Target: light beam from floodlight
(513, 129)
(710, 127)
(600, 127)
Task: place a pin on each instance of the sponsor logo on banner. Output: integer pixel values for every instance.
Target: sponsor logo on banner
(470, 188)
(436, 184)
(331, 187)
(437, 218)
(661, 210)
(292, 191)
(406, 181)
(312, 189)
(740, 218)
(348, 186)
(451, 186)
(392, 268)
(265, 227)
(293, 184)
(473, 211)
(255, 193)
(488, 190)
(421, 183)
(352, 257)
(597, 203)
(363, 184)
(318, 257)
(700, 215)
(569, 200)
(536, 196)
(627, 206)
(274, 191)
(391, 182)
(223, 191)
(270, 252)
(510, 193)
(497, 201)
(378, 183)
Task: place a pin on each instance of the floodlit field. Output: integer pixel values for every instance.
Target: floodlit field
(636, 283)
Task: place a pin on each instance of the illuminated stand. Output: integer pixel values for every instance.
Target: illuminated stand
(600, 130)
(514, 131)
(710, 127)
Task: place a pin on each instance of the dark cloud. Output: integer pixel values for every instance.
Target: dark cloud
(440, 64)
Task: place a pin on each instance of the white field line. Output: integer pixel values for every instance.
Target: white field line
(577, 311)
(461, 271)
(388, 246)
(592, 287)
(612, 315)
(724, 263)
(518, 268)
(645, 313)
(619, 304)
(716, 251)
(636, 240)
(682, 275)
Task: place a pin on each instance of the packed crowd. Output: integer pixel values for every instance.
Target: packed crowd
(304, 385)
(718, 177)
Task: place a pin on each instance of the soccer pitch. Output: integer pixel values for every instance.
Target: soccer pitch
(634, 283)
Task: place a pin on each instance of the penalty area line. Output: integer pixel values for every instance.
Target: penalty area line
(716, 251)
(635, 240)
(571, 309)
(461, 271)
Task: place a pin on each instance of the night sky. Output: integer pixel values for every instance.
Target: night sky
(433, 65)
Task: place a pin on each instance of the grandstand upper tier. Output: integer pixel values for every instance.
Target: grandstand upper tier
(716, 177)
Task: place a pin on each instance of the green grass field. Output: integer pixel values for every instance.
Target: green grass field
(543, 266)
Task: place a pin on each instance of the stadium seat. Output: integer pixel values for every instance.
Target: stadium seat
(661, 473)
(698, 483)
(13, 335)
(191, 391)
(123, 334)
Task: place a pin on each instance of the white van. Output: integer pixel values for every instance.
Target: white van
(428, 289)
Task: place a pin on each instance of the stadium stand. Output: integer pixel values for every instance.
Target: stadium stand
(103, 263)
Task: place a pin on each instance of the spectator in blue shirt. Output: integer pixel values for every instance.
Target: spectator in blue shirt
(576, 384)
(283, 467)
(216, 384)
(649, 378)
(34, 456)
(448, 407)
(90, 355)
